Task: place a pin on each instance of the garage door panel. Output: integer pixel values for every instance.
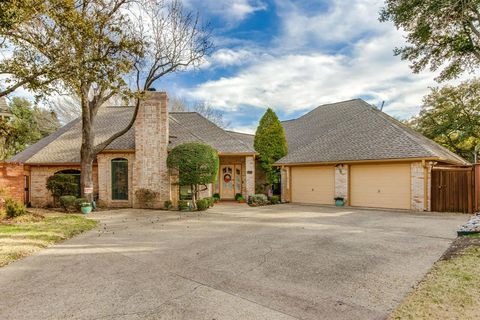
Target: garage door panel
(381, 186)
(313, 184)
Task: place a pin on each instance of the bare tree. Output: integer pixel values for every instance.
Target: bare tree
(67, 108)
(99, 49)
(179, 104)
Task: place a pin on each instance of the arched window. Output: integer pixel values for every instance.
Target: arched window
(76, 174)
(119, 179)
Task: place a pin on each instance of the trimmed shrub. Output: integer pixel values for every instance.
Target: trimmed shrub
(167, 205)
(62, 185)
(145, 197)
(257, 200)
(274, 199)
(78, 203)
(68, 203)
(216, 197)
(238, 196)
(14, 208)
(202, 204)
(211, 202)
(183, 205)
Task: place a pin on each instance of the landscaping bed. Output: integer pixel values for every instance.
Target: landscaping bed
(28, 233)
(451, 290)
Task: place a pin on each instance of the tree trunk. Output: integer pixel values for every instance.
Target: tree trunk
(87, 153)
(194, 196)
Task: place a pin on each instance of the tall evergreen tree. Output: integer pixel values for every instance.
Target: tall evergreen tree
(270, 144)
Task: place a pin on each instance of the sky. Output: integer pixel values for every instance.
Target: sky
(293, 56)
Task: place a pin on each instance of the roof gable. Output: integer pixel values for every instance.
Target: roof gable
(353, 130)
(63, 146)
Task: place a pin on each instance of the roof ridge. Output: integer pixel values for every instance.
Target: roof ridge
(353, 119)
(192, 133)
(414, 135)
(324, 105)
(247, 134)
(44, 142)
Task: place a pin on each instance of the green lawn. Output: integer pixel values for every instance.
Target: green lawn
(23, 236)
(451, 290)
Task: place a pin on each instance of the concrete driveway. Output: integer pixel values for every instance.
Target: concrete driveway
(232, 262)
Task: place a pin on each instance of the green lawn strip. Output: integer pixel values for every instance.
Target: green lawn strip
(451, 290)
(21, 239)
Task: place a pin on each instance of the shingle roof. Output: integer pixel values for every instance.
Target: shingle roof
(63, 146)
(354, 130)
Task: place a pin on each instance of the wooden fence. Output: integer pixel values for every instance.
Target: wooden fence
(453, 189)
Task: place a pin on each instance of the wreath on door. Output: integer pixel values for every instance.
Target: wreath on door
(227, 178)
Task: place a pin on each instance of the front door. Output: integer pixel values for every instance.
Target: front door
(227, 181)
(230, 180)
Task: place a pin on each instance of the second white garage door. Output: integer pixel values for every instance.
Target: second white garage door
(380, 185)
(313, 184)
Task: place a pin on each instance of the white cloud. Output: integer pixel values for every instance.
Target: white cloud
(300, 71)
(337, 21)
(232, 11)
(251, 128)
(295, 82)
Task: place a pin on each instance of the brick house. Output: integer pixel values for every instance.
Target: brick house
(347, 149)
(138, 158)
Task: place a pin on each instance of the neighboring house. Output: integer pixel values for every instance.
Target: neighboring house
(347, 149)
(352, 150)
(5, 112)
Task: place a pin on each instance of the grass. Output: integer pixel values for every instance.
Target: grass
(451, 290)
(29, 233)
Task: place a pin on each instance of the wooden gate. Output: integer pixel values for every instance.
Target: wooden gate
(453, 189)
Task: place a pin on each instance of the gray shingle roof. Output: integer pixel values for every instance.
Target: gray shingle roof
(63, 146)
(354, 130)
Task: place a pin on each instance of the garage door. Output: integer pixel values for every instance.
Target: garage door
(313, 184)
(380, 185)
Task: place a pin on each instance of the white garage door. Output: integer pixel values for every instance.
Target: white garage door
(380, 185)
(313, 184)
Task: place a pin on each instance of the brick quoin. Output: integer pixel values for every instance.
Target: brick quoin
(12, 181)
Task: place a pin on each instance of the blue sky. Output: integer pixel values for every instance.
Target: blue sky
(295, 55)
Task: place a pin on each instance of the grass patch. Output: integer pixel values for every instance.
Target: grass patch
(29, 233)
(451, 290)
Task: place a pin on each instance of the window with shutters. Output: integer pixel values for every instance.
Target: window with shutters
(119, 179)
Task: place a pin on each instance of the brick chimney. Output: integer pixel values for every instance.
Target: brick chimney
(151, 141)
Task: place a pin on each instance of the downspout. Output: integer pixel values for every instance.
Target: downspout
(425, 185)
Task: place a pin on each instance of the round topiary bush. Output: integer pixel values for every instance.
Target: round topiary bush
(202, 204)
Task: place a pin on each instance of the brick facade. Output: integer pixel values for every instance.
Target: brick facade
(104, 161)
(39, 195)
(151, 140)
(285, 184)
(12, 181)
(341, 181)
(417, 185)
(249, 175)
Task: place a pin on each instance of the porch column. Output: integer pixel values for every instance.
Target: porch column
(250, 175)
(285, 183)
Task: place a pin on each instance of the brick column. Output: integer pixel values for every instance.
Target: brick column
(417, 186)
(151, 141)
(341, 181)
(250, 175)
(285, 184)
